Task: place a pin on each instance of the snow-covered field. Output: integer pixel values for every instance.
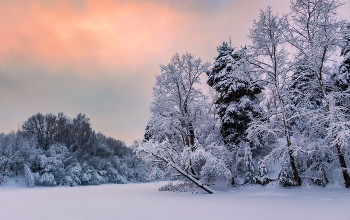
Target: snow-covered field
(144, 201)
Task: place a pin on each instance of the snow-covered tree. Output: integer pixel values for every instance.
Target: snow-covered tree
(270, 58)
(306, 99)
(179, 111)
(340, 130)
(237, 103)
(58, 150)
(249, 166)
(313, 29)
(285, 176)
(42, 127)
(10, 156)
(342, 78)
(263, 177)
(29, 176)
(304, 88)
(166, 155)
(178, 104)
(319, 160)
(72, 176)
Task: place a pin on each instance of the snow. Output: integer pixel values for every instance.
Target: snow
(144, 201)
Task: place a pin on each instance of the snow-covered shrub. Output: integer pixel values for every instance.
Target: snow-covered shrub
(29, 176)
(180, 187)
(285, 176)
(91, 176)
(215, 170)
(86, 174)
(72, 176)
(46, 179)
(317, 181)
(263, 175)
(156, 173)
(43, 171)
(58, 151)
(249, 177)
(115, 177)
(196, 160)
(67, 181)
(49, 166)
(136, 169)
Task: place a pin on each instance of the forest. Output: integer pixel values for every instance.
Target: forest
(283, 101)
(55, 150)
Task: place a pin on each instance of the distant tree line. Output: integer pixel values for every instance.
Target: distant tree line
(57, 150)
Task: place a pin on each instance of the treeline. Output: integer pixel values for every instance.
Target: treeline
(57, 150)
(281, 100)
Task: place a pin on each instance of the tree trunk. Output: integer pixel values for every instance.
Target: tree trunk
(297, 179)
(343, 166)
(192, 137)
(192, 179)
(184, 173)
(232, 181)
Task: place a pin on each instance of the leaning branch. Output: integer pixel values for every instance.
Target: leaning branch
(184, 173)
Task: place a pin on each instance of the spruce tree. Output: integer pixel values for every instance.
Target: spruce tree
(304, 88)
(237, 102)
(263, 173)
(285, 176)
(342, 79)
(250, 176)
(305, 96)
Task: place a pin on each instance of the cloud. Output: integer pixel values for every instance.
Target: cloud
(105, 33)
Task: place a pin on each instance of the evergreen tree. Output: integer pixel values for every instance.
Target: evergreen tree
(304, 88)
(237, 102)
(263, 175)
(285, 177)
(249, 166)
(342, 79)
(305, 97)
(29, 176)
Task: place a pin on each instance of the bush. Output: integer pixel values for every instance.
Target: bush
(29, 176)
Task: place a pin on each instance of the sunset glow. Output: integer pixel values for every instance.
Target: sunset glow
(107, 33)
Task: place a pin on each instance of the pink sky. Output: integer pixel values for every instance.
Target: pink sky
(100, 57)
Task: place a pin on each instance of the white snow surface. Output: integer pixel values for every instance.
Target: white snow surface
(144, 201)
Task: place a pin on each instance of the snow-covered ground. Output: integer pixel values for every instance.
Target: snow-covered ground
(144, 201)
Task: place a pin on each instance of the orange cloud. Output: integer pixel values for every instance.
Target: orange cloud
(107, 33)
